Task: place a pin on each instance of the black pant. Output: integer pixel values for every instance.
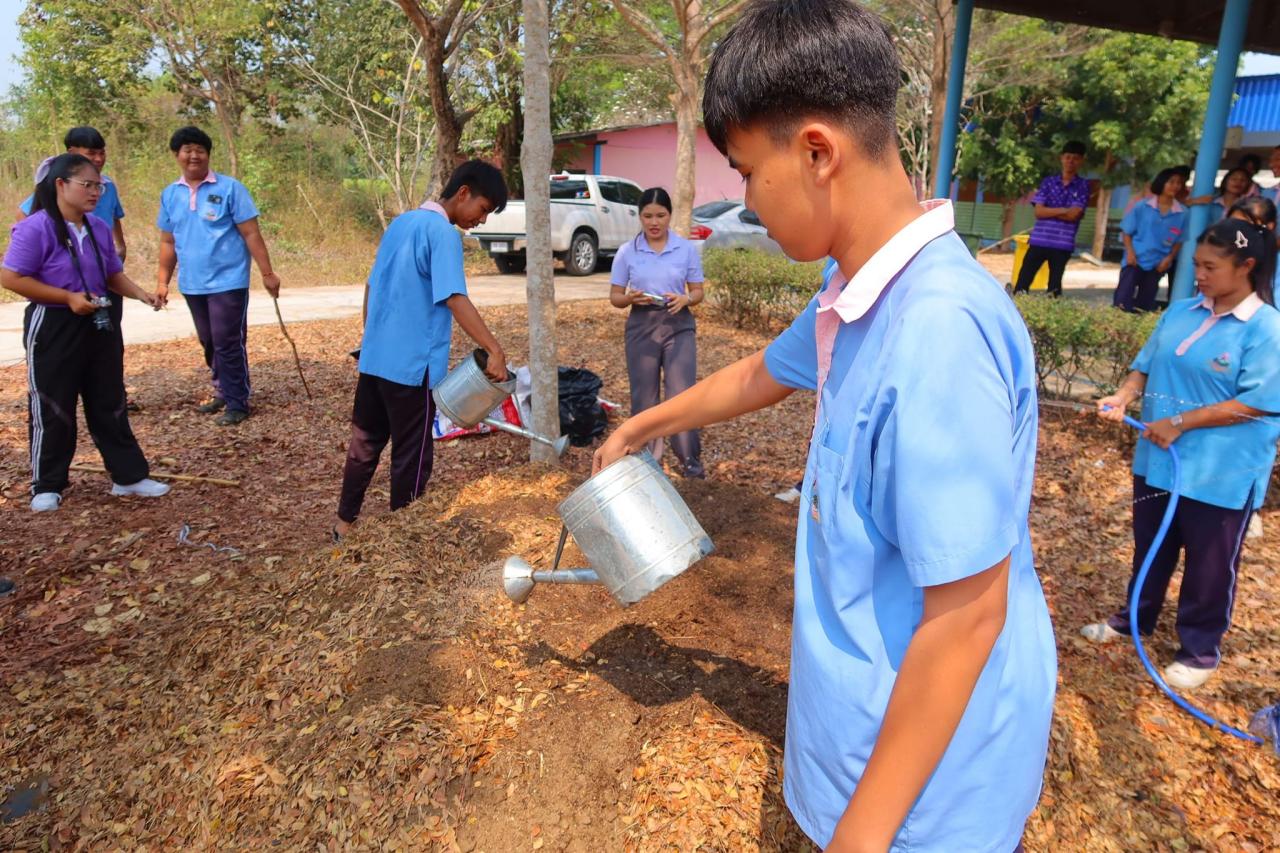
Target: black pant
(1211, 538)
(401, 413)
(1036, 257)
(1137, 289)
(68, 358)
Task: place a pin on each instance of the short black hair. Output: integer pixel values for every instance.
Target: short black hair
(654, 195)
(1184, 171)
(480, 178)
(1250, 158)
(83, 137)
(1162, 178)
(190, 135)
(788, 60)
(1075, 146)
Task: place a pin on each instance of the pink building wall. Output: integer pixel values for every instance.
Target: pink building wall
(647, 155)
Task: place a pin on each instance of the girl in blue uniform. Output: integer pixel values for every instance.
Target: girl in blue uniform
(1209, 381)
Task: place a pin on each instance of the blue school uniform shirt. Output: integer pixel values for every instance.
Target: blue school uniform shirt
(108, 209)
(1194, 359)
(212, 255)
(408, 326)
(1154, 233)
(920, 473)
(639, 267)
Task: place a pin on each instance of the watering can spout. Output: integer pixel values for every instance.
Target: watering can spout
(519, 578)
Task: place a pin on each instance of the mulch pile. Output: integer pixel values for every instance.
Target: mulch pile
(381, 693)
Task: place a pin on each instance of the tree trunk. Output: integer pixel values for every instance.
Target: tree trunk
(1100, 223)
(510, 135)
(448, 127)
(1007, 209)
(944, 28)
(229, 125)
(535, 163)
(1104, 208)
(687, 102)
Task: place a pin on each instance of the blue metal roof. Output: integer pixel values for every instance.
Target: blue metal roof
(1257, 105)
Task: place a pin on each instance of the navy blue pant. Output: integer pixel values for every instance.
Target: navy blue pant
(1137, 289)
(1034, 259)
(222, 326)
(386, 410)
(1211, 538)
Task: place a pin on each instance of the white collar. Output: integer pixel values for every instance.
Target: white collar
(1248, 306)
(1154, 203)
(434, 207)
(856, 297)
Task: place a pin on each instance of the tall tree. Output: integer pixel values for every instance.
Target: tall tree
(682, 32)
(540, 282)
(1137, 101)
(442, 31)
(82, 64)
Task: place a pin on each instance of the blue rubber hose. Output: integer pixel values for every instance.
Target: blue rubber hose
(1140, 580)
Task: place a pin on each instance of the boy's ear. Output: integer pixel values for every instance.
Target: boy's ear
(820, 146)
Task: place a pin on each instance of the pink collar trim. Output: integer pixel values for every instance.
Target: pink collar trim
(852, 298)
(1248, 306)
(434, 207)
(1154, 202)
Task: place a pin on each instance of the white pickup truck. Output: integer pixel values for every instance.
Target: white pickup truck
(591, 216)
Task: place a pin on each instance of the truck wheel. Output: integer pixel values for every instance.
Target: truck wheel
(509, 264)
(582, 256)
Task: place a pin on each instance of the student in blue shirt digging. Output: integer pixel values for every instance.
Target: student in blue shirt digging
(416, 290)
(923, 662)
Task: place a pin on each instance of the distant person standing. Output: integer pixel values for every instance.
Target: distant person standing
(1060, 204)
(209, 230)
(1153, 233)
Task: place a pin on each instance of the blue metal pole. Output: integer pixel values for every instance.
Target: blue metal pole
(597, 158)
(1212, 138)
(955, 93)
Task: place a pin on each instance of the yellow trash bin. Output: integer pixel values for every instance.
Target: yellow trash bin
(1041, 281)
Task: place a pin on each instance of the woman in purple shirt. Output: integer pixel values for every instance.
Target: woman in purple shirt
(63, 260)
(658, 275)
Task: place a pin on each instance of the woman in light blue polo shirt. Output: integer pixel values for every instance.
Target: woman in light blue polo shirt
(1209, 380)
(1153, 232)
(658, 275)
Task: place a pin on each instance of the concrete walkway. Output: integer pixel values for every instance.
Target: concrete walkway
(142, 325)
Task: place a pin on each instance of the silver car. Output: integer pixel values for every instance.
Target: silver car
(729, 225)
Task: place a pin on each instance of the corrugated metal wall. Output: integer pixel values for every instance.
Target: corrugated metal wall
(1257, 105)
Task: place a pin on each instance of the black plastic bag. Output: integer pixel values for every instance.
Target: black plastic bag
(582, 418)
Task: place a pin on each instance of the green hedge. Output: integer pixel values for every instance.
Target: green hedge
(1076, 343)
(757, 289)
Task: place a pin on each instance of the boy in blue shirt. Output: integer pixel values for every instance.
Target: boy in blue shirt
(923, 662)
(208, 230)
(416, 290)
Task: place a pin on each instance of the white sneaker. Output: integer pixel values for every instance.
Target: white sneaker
(1255, 527)
(46, 502)
(143, 488)
(1101, 632)
(1183, 677)
(789, 496)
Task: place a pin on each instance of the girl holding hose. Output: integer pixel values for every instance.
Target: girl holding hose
(1209, 382)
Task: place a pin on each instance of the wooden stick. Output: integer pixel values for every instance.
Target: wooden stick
(296, 360)
(94, 469)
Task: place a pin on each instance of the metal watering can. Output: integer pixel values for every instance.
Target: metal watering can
(633, 526)
(466, 396)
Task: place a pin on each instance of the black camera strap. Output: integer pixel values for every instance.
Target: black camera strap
(75, 259)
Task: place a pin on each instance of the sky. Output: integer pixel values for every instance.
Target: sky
(10, 72)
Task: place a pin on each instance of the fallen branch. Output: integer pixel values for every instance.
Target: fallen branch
(192, 478)
(296, 359)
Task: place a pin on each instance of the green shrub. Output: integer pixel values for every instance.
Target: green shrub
(1077, 342)
(757, 289)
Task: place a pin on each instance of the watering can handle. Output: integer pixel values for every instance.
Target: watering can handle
(564, 534)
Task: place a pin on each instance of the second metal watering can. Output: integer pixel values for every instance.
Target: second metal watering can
(633, 526)
(467, 397)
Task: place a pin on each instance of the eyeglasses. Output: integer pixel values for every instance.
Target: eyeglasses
(91, 186)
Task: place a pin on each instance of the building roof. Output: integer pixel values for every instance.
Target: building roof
(582, 134)
(1257, 105)
(1191, 20)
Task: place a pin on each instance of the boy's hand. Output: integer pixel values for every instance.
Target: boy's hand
(615, 447)
(1130, 257)
(496, 368)
(271, 282)
(162, 293)
(79, 303)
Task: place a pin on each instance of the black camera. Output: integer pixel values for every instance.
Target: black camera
(101, 319)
